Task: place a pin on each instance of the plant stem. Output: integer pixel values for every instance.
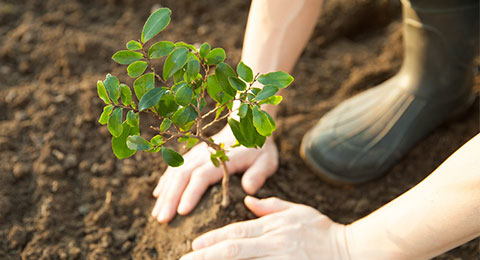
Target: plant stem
(225, 185)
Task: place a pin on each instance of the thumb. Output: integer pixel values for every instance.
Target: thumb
(266, 206)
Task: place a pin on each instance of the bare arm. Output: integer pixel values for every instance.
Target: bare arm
(440, 213)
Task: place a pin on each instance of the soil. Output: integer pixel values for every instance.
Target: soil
(63, 194)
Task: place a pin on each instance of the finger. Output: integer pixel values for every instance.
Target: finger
(202, 177)
(171, 196)
(267, 206)
(160, 185)
(233, 249)
(245, 229)
(255, 176)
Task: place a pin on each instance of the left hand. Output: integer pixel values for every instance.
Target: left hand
(284, 230)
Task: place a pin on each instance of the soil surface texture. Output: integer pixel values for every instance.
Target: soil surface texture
(64, 195)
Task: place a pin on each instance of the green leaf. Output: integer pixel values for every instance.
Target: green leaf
(235, 127)
(112, 85)
(137, 143)
(115, 122)
(157, 21)
(137, 68)
(179, 76)
(279, 78)
(186, 127)
(215, 56)
(275, 100)
(272, 122)
(171, 157)
(186, 45)
(119, 144)
(160, 49)
(157, 140)
(165, 125)
(183, 95)
(204, 50)
(219, 111)
(193, 68)
(107, 110)
(184, 115)
(125, 57)
(267, 91)
(125, 94)
(249, 131)
(132, 118)
(143, 84)
(151, 98)
(213, 88)
(191, 142)
(237, 83)
(214, 160)
(262, 122)
(167, 105)
(134, 45)
(102, 92)
(245, 72)
(242, 110)
(223, 71)
(175, 61)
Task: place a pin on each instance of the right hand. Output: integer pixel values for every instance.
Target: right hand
(180, 189)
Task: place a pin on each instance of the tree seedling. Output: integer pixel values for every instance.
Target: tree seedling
(178, 96)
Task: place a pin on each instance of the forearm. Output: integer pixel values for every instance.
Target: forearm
(277, 32)
(440, 213)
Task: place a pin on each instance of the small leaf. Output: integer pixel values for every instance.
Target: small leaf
(184, 115)
(237, 83)
(262, 122)
(219, 112)
(223, 71)
(275, 100)
(175, 61)
(137, 68)
(165, 125)
(191, 142)
(204, 49)
(167, 105)
(143, 84)
(151, 98)
(171, 157)
(245, 72)
(125, 57)
(112, 85)
(119, 144)
(183, 95)
(213, 88)
(242, 110)
(107, 110)
(279, 78)
(249, 131)
(215, 56)
(115, 122)
(102, 92)
(193, 68)
(137, 143)
(134, 45)
(157, 21)
(157, 140)
(160, 49)
(267, 91)
(179, 76)
(125, 94)
(132, 118)
(214, 160)
(186, 45)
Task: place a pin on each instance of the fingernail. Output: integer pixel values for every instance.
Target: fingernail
(181, 208)
(162, 217)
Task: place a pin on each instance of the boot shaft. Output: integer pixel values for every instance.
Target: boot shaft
(440, 42)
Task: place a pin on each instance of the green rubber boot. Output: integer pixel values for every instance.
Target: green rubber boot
(366, 135)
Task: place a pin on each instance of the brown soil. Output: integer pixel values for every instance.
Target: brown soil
(63, 195)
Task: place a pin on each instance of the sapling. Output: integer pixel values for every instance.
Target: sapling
(178, 96)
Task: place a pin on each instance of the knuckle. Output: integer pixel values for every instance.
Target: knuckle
(199, 173)
(231, 250)
(239, 231)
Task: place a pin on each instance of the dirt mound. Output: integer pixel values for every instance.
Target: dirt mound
(65, 196)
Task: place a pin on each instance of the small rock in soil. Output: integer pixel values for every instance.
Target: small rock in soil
(20, 170)
(17, 237)
(70, 161)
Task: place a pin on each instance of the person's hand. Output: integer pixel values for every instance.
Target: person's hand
(179, 189)
(284, 230)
